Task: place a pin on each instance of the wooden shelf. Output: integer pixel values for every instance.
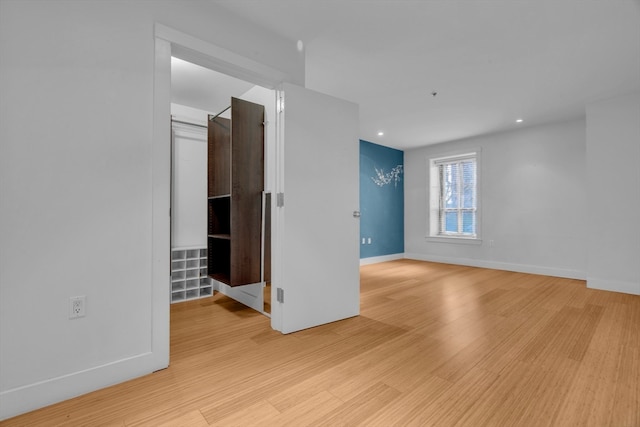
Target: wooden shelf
(220, 236)
(235, 182)
(219, 216)
(221, 277)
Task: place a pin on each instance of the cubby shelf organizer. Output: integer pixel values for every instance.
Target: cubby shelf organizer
(189, 279)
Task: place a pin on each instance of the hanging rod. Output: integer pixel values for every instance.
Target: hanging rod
(213, 117)
(188, 123)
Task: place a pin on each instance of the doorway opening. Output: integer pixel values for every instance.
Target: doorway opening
(197, 92)
(315, 268)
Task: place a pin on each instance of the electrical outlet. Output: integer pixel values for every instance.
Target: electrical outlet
(369, 240)
(77, 307)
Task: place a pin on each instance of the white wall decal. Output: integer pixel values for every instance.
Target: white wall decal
(382, 179)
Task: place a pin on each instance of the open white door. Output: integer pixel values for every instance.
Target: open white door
(316, 250)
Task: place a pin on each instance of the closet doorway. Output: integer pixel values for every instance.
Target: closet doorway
(197, 92)
(315, 229)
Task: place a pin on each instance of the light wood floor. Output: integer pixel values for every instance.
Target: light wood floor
(435, 345)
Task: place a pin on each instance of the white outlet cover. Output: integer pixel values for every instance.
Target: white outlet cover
(77, 306)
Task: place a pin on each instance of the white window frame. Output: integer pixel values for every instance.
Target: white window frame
(433, 197)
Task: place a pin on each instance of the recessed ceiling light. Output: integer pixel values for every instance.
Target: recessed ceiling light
(380, 133)
(519, 121)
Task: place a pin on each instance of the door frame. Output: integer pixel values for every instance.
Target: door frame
(170, 42)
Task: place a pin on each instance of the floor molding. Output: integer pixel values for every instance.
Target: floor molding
(43, 393)
(519, 268)
(383, 258)
(626, 287)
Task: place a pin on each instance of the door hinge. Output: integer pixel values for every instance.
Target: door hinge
(280, 106)
(279, 294)
(280, 200)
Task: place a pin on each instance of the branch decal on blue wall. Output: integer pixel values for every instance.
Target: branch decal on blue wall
(381, 204)
(383, 179)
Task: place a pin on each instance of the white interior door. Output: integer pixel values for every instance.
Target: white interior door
(316, 247)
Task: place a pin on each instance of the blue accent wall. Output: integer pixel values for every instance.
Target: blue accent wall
(381, 200)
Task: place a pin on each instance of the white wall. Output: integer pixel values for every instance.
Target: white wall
(76, 115)
(189, 177)
(189, 187)
(533, 202)
(613, 162)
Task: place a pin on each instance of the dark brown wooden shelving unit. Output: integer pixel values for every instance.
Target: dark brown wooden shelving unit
(235, 186)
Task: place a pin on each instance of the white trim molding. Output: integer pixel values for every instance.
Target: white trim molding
(382, 258)
(519, 268)
(160, 206)
(625, 287)
(208, 55)
(433, 218)
(30, 397)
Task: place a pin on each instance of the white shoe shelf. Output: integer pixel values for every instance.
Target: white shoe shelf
(189, 279)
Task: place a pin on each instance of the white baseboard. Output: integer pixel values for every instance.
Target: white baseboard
(632, 288)
(38, 395)
(520, 268)
(383, 258)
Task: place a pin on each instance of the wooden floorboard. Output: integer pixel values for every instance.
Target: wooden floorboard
(435, 345)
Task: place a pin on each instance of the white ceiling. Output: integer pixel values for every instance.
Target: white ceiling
(201, 88)
(490, 61)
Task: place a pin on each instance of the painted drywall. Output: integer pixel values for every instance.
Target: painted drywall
(381, 200)
(76, 181)
(189, 187)
(533, 202)
(613, 179)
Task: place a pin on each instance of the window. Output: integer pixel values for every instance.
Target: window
(454, 196)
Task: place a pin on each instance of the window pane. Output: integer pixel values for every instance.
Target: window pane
(450, 185)
(469, 185)
(455, 197)
(451, 222)
(468, 222)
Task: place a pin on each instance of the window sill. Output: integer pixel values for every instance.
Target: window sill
(454, 240)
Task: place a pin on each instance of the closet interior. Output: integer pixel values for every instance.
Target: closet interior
(221, 213)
